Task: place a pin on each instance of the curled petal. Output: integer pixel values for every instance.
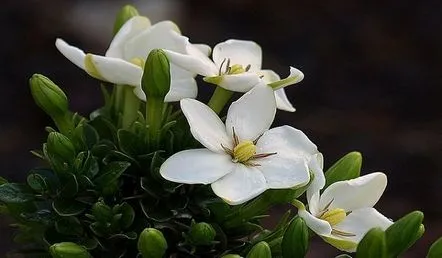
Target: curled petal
(282, 102)
(356, 193)
(241, 82)
(205, 125)
(241, 185)
(182, 85)
(252, 114)
(130, 29)
(74, 54)
(313, 190)
(192, 63)
(240, 52)
(203, 48)
(319, 226)
(198, 166)
(294, 77)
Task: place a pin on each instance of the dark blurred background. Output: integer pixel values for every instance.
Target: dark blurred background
(372, 80)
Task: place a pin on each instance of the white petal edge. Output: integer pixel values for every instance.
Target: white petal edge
(241, 82)
(117, 71)
(203, 48)
(242, 52)
(74, 54)
(130, 29)
(356, 193)
(360, 221)
(181, 89)
(313, 191)
(240, 186)
(282, 102)
(192, 63)
(319, 226)
(252, 114)
(197, 166)
(205, 125)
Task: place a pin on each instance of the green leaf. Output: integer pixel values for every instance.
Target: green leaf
(15, 193)
(343, 256)
(37, 183)
(111, 173)
(261, 250)
(403, 233)
(373, 244)
(69, 186)
(130, 143)
(435, 250)
(102, 212)
(348, 167)
(66, 208)
(128, 215)
(3, 181)
(69, 226)
(295, 240)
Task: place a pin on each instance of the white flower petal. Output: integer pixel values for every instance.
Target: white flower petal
(74, 54)
(182, 85)
(282, 102)
(162, 35)
(240, 52)
(252, 114)
(319, 226)
(193, 63)
(130, 29)
(281, 172)
(203, 48)
(287, 142)
(138, 91)
(294, 77)
(198, 166)
(268, 76)
(356, 193)
(241, 82)
(243, 184)
(360, 221)
(117, 71)
(313, 190)
(205, 125)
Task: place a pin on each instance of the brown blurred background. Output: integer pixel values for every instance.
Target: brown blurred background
(373, 80)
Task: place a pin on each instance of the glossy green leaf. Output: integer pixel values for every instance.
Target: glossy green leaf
(260, 250)
(69, 226)
(373, 244)
(66, 208)
(15, 193)
(403, 233)
(111, 173)
(435, 250)
(348, 167)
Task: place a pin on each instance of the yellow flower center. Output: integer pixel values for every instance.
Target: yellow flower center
(334, 216)
(138, 61)
(244, 151)
(236, 69)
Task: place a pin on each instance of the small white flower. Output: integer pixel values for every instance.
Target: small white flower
(344, 212)
(124, 60)
(243, 157)
(236, 66)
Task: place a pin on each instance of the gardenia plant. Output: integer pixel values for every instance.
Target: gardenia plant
(144, 177)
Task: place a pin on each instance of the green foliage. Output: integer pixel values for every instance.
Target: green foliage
(156, 77)
(260, 250)
(435, 249)
(152, 243)
(297, 232)
(348, 167)
(403, 233)
(126, 13)
(68, 250)
(372, 245)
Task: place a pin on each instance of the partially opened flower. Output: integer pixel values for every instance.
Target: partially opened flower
(242, 157)
(124, 60)
(236, 66)
(344, 212)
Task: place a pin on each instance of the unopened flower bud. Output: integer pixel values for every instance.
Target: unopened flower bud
(296, 232)
(60, 146)
(156, 77)
(48, 96)
(127, 12)
(202, 234)
(260, 250)
(68, 250)
(151, 243)
(231, 256)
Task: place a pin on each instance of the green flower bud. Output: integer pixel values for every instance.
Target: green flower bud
(202, 234)
(68, 250)
(260, 250)
(231, 256)
(295, 240)
(60, 146)
(127, 12)
(151, 243)
(48, 96)
(372, 245)
(156, 77)
(102, 212)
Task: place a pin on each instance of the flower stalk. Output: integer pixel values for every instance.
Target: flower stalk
(219, 99)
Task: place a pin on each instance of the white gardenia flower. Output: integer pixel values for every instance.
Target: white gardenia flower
(124, 60)
(344, 212)
(236, 66)
(242, 158)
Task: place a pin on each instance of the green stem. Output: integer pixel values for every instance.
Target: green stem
(219, 99)
(154, 117)
(64, 124)
(118, 100)
(130, 106)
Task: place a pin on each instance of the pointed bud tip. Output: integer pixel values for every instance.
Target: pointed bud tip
(156, 76)
(48, 96)
(125, 14)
